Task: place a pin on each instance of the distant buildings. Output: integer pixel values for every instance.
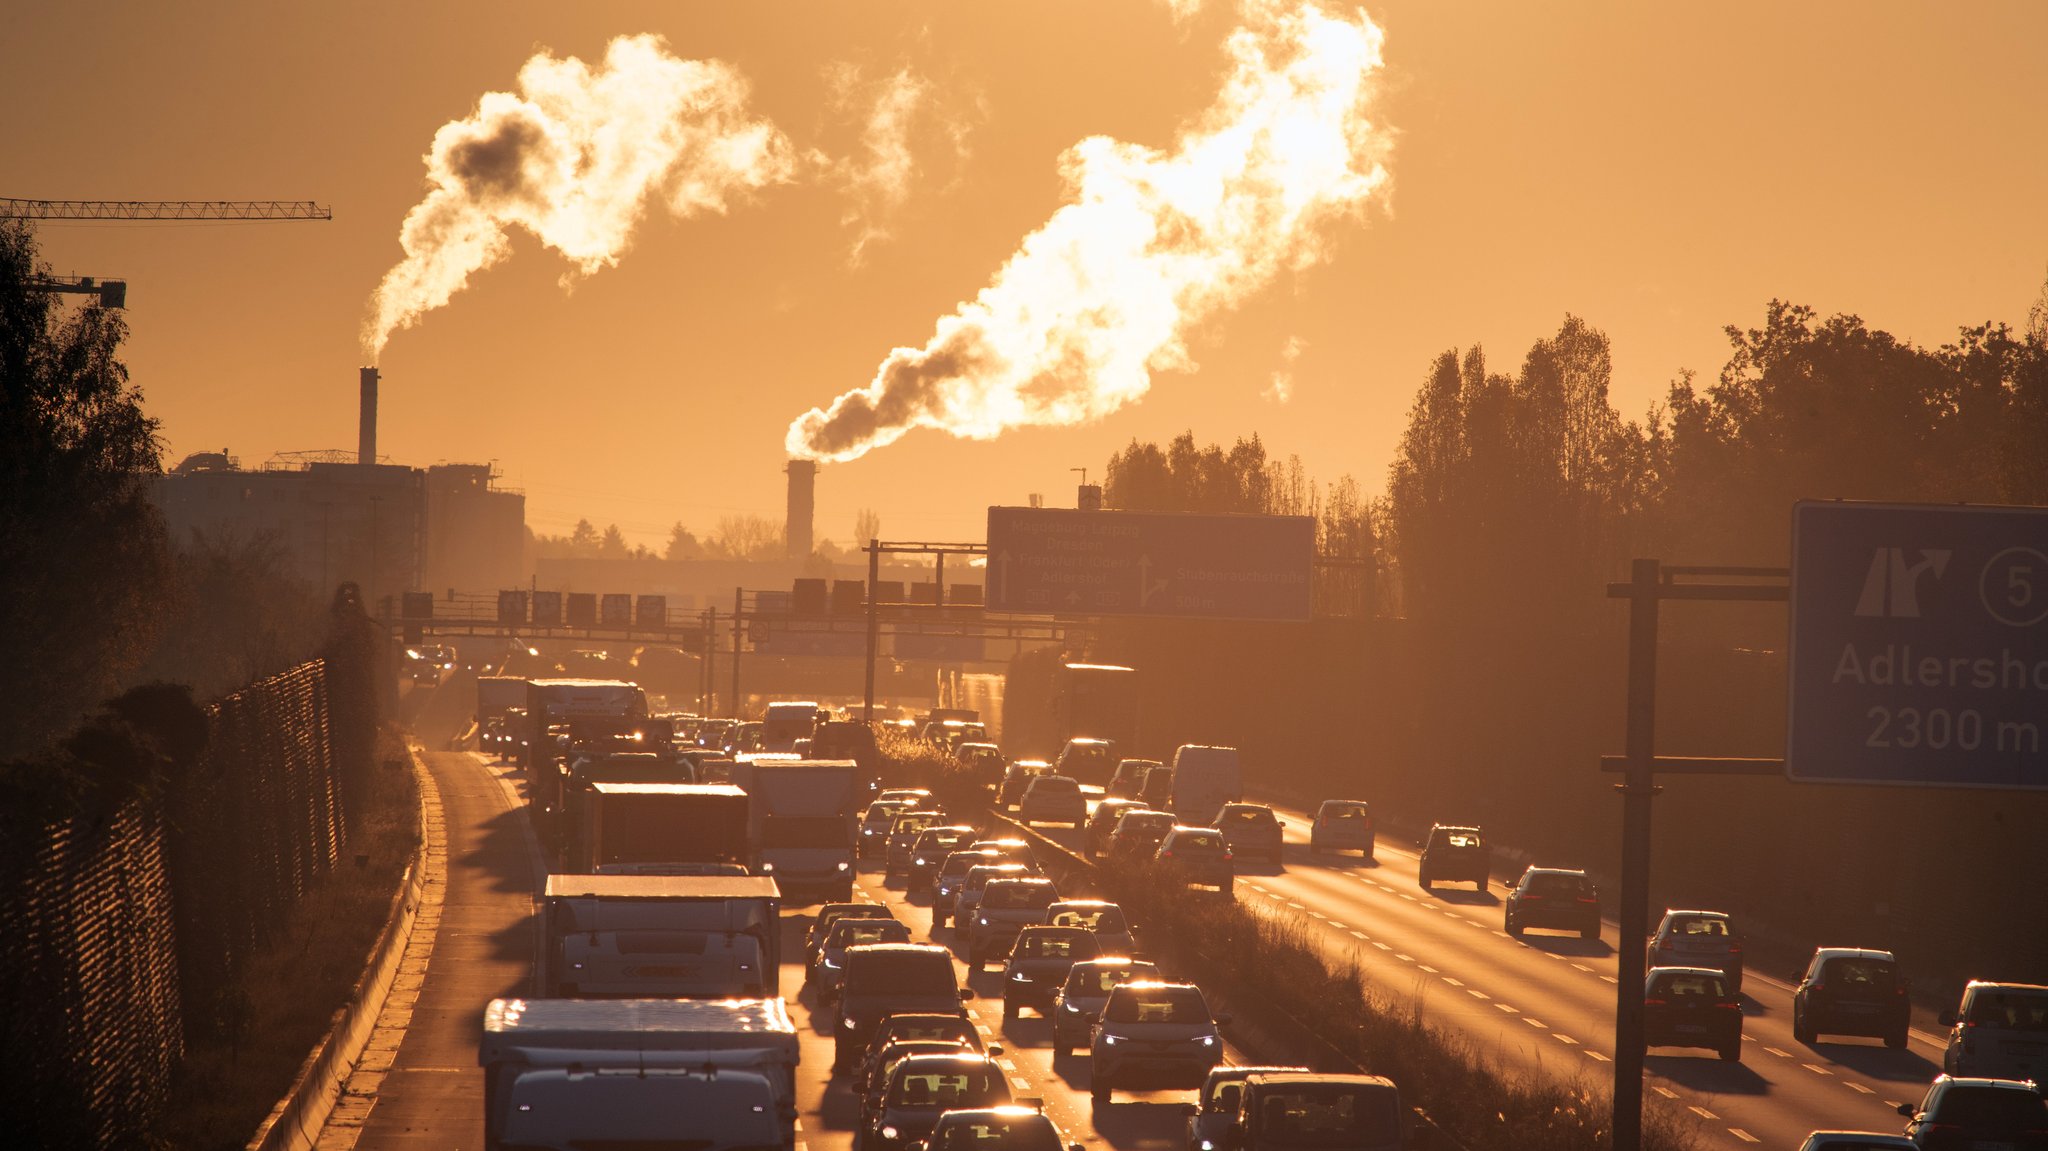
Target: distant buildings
(385, 527)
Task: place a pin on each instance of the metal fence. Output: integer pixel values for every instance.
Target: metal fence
(130, 912)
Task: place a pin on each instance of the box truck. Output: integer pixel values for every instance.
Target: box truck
(803, 814)
(687, 936)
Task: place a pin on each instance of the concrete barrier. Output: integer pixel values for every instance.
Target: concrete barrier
(295, 1123)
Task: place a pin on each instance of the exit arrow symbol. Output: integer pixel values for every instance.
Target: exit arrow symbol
(1146, 588)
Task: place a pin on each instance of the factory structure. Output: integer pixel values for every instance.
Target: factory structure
(337, 517)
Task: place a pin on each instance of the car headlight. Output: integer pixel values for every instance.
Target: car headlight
(844, 866)
(832, 965)
(1070, 1009)
(1020, 977)
(1111, 1040)
(983, 921)
(846, 1023)
(889, 1133)
(1207, 1041)
(767, 867)
(918, 862)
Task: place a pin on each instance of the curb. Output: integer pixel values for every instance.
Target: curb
(294, 1124)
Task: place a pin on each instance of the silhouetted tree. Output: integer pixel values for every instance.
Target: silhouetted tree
(682, 545)
(82, 550)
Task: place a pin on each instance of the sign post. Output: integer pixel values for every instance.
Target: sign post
(1919, 645)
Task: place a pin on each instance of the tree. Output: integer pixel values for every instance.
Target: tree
(613, 546)
(583, 539)
(82, 549)
(747, 537)
(682, 545)
(866, 526)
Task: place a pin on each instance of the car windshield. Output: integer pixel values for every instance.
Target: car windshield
(1199, 841)
(1094, 981)
(1054, 785)
(1247, 815)
(1344, 811)
(1054, 945)
(900, 973)
(977, 878)
(1028, 1133)
(941, 841)
(909, 1028)
(1700, 927)
(1553, 883)
(1461, 839)
(1108, 919)
(1158, 1005)
(1146, 823)
(1990, 1109)
(2010, 1010)
(958, 863)
(854, 932)
(1690, 986)
(1327, 1115)
(1856, 973)
(1011, 896)
(953, 1089)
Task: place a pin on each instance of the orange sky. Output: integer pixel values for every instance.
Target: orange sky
(1660, 170)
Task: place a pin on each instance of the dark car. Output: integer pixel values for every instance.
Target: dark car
(1251, 830)
(1851, 991)
(1129, 779)
(1016, 778)
(951, 874)
(1976, 1114)
(1215, 1111)
(1555, 898)
(1199, 855)
(930, 850)
(1692, 1007)
(1158, 789)
(923, 1087)
(1455, 854)
(1039, 963)
(832, 913)
(824, 975)
(882, 979)
(913, 1027)
(1102, 821)
(875, 819)
(997, 1129)
(1137, 833)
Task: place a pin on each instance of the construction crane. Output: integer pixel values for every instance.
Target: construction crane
(164, 209)
(114, 293)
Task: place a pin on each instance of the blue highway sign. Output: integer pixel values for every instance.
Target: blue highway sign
(1919, 645)
(1063, 560)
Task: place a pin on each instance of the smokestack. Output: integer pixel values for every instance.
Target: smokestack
(366, 436)
(796, 530)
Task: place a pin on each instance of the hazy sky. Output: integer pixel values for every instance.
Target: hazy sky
(1661, 170)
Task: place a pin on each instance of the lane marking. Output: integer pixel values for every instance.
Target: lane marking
(1859, 1088)
(1358, 935)
(1381, 946)
(1778, 1053)
(1340, 926)
(1454, 982)
(1428, 968)
(1583, 967)
(1702, 1112)
(1006, 1064)
(1538, 1024)
(1563, 1038)
(1476, 993)
(1404, 958)
(1609, 979)
(1816, 1068)
(1745, 1136)
(1597, 1055)
(1506, 1008)
(1666, 1092)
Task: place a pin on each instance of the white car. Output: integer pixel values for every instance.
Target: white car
(1053, 799)
(1154, 1036)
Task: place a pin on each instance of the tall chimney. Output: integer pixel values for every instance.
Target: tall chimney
(366, 436)
(796, 529)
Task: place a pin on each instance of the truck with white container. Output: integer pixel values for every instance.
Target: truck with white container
(578, 1073)
(803, 814)
(645, 936)
(1204, 779)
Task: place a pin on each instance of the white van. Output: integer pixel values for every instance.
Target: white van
(1204, 779)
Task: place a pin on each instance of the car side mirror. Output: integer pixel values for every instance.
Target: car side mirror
(1190, 1110)
(1948, 1019)
(1906, 1109)
(966, 993)
(994, 1049)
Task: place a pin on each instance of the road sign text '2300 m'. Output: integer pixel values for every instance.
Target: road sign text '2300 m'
(1141, 563)
(1919, 649)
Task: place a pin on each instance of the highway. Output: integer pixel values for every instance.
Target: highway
(1546, 1002)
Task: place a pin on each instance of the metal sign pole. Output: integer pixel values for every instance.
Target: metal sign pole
(737, 711)
(1636, 794)
(874, 625)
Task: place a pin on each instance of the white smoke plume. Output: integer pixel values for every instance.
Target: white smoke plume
(1280, 388)
(878, 180)
(1150, 244)
(573, 157)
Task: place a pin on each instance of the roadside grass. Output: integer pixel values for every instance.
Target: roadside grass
(1259, 957)
(233, 1074)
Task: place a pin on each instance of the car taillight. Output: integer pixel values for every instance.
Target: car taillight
(1729, 1005)
(1653, 1003)
(1734, 949)
(1588, 899)
(1667, 945)
(1227, 855)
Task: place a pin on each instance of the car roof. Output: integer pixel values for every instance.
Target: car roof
(898, 949)
(1154, 984)
(1853, 953)
(1267, 807)
(1578, 871)
(1068, 904)
(1020, 880)
(1991, 985)
(2027, 1086)
(1290, 1078)
(1052, 779)
(1455, 827)
(1713, 971)
(945, 1059)
(1230, 1071)
(1006, 868)
(1180, 827)
(1053, 929)
(1675, 912)
(922, 1019)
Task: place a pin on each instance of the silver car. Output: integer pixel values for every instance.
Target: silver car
(1079, 1003)
(1699, 939)
(1112, 931)
(1999, 1032)
(1154, 1036)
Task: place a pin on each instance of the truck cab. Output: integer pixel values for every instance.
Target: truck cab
(689, 936)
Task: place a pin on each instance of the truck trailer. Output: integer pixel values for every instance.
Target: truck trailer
(658, 823)
(686, 936)
(570, 1073)
(803, 814)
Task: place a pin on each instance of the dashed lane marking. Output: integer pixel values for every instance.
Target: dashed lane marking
(1561, 1037)
(1609, 979)
(1428, 968)
(1778, 1053)
(1538, 1024)
(1583, 967)
(1007, 1065)
(1745, 1136)
(1381, 946)
(1340, 926)
(1506, 1008)
(1404, 958)
(1475, 993)
(1597, 1055)
(1454, 982)
(1858, 1088)
(1666, 1092)
(1816, 1068)
(1358, 935)
(1702, 1112)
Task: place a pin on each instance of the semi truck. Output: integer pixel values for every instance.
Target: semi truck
(565, 1073)
(803, 814)
(555, 701)
(641, 936)
(496, 697)
(625, 823)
